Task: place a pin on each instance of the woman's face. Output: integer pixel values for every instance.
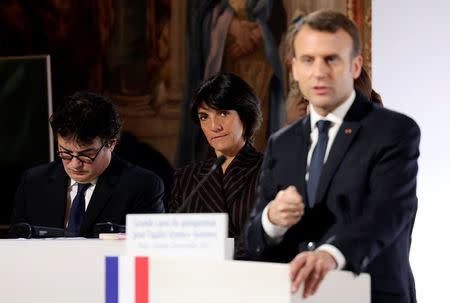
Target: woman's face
(223, 129)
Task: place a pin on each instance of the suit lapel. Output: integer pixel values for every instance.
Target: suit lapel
(293, 156)
(239, 173)
(58, 181)
(304, 132)
(342, 143)
(102, 194)
(211, 190)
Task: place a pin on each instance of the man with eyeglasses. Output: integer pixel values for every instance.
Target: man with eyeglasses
(87, 183)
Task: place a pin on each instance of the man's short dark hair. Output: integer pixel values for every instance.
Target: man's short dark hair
(85, 116)
(330, 21)
(226, 91)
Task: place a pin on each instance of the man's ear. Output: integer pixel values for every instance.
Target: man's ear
(112, 144)
(357, 63)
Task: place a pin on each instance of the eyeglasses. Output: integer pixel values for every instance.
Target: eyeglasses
(82, 158)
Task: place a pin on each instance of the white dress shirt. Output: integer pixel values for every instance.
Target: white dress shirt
(72, 192)
(274, 234)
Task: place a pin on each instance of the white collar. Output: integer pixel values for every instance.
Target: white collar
(73, 182)
(336, 116)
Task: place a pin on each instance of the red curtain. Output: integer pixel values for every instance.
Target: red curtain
(360, 11)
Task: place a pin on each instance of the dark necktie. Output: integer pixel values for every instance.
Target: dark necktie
(315, 167)
(77, 210)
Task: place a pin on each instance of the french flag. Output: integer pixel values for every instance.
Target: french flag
(125, 283)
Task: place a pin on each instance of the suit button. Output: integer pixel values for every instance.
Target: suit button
(311, 246)
(258, 249)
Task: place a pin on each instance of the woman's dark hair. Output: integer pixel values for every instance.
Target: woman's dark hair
(85, 116)
(364, 83)
(226, 91)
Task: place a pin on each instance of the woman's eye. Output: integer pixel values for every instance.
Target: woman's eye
(202, 117)
(224, 113)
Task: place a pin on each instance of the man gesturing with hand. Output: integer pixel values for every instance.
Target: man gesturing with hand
(337, 187)
(287, 208)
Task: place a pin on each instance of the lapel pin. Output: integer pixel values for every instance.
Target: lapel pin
(348, 131)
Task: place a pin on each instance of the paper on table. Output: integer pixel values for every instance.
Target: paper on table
(112, 236)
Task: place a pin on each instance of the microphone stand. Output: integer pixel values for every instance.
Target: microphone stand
(216, 164)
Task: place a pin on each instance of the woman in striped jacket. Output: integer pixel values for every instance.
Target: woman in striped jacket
(228, 112)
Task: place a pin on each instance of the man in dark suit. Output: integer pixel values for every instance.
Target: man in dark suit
(338, 187)
(88, 183)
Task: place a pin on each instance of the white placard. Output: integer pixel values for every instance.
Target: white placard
(177, 235)
(218, 281)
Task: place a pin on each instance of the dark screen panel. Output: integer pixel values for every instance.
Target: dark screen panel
(25, 105)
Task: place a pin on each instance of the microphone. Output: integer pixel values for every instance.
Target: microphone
(28, 231)
(216, 164)
(108, 227)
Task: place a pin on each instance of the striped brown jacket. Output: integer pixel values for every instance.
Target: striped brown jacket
(233, 192)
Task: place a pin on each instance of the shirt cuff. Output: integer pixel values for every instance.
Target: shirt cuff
(335, 253)
(274, 234)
